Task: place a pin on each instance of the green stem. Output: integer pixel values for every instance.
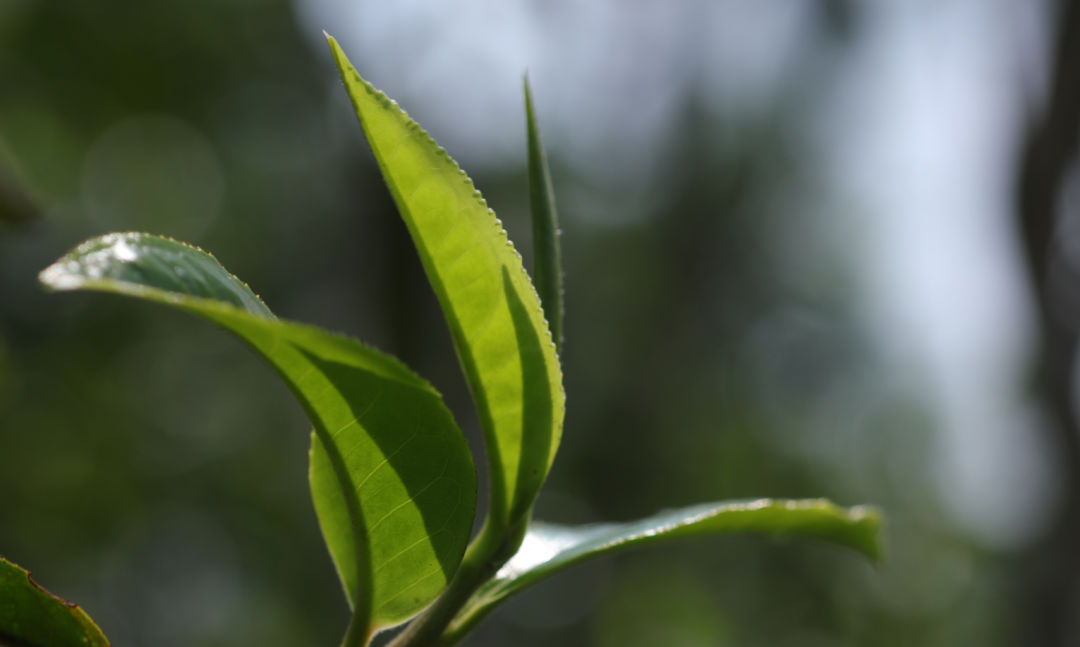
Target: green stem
(359, 633)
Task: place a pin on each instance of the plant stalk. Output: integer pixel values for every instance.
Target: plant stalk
(358, 634)
(492, 548)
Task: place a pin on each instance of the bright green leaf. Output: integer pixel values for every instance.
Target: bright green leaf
(30, 616)
(494, 314)
(392, 476)
(550, 548)
(547, 262)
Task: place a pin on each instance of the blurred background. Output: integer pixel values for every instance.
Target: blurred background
(812, 248)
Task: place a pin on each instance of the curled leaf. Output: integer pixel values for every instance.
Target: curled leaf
(392, 476)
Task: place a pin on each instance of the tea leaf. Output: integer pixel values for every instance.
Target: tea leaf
(494, 314)
(550, 548)
(547, 261)
(392, 477)
(30, 616)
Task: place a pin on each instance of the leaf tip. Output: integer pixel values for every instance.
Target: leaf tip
(54, 279)
(870, 520)
(340, 59)
(874, 518)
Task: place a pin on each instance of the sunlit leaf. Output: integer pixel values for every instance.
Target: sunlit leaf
(30, 616)
(392, 476)
(550, 548)
(494, 314)
(547, 262)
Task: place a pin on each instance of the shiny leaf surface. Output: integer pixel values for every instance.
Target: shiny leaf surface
(550, 548)
(392, 477)
(30, 616)
(494, 314)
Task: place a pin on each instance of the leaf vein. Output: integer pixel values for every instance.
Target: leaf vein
(412, 497)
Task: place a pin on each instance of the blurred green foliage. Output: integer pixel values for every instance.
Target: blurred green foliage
(711, 350)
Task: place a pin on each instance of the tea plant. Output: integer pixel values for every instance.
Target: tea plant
(392, 478)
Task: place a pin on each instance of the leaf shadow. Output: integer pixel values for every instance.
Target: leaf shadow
(407, 424)
(536, 408)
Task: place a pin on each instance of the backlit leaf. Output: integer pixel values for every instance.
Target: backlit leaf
(392, 477)
(494, 314)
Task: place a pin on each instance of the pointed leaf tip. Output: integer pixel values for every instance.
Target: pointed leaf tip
(490, 305)
(547, 258)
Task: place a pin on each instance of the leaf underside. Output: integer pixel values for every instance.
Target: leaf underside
(551, 548)
(387, 457)
(30, 616)
(492, 309)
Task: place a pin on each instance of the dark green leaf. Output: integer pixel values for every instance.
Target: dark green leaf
(30, 616)
(494, 314)
(547, 262)
(550, 548)
(392, 476)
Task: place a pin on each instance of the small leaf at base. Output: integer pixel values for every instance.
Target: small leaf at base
(30, 616)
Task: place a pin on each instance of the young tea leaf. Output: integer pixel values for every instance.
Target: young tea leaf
(550, 548)
(392, 476)
(547, 262)
(30, 616)
(495, 319)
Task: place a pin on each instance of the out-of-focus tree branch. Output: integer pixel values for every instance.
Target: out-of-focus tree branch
(1054, 578)
(16, 205)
